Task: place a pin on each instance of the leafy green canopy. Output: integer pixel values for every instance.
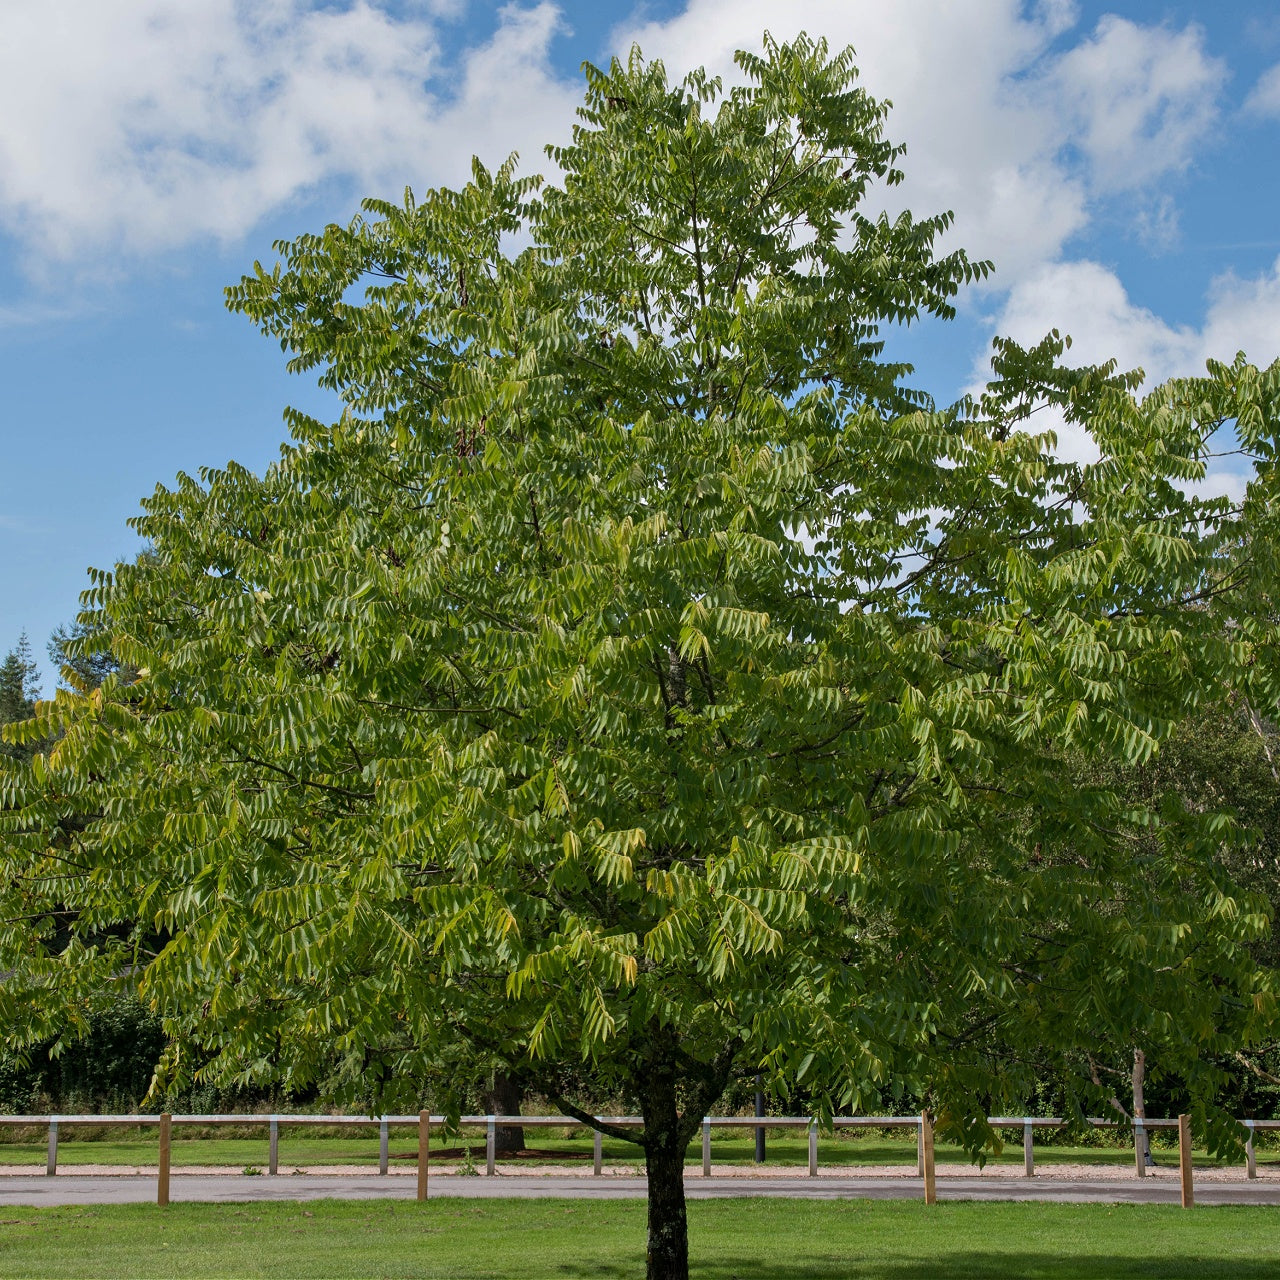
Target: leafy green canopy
(641, 673)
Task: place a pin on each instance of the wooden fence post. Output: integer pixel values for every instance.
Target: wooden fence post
(813, 1148)
(920, 1150)
(1250, 1155)
(490, 1144)
(273, 1152)
(1028, 1149)
(1184, 1161)
(926, 1154)
(424, 1152)
(706, 1147)
(51, 1163)
(162, 1181)
(384, 1145)
(597, 1154)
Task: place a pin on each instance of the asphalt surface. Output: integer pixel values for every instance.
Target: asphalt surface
(72, 1189)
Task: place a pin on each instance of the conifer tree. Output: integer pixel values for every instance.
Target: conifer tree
(19, 689)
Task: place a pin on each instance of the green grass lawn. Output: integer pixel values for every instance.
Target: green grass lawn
(560, 1240)
(301, 1146)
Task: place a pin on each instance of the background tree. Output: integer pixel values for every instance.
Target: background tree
(1221, 759)
(19, 689)
(74, 656)
(108, 1068)
(107, 1059)
(642, 675)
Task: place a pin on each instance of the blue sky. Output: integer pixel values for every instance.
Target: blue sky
(1119, 162)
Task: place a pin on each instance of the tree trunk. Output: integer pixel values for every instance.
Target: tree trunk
(503, 1099)
(665, 1140)
(760, 1151)
(1140, 1102)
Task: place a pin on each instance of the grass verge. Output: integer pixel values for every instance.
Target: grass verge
(297, 1147)
(562, 1240)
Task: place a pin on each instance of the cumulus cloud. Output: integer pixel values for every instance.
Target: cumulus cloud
(145, 124)
(1264, 98)
(975, 141)
(1244, 315)
(1012, 133)
(1022, 125)
(1087, 301)
(1137, 99)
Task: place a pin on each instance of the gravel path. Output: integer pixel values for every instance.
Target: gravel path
(77, 1189)
(1045, 1173)
(1066, 1183)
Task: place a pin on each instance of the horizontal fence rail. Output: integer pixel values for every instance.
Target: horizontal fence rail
(491, 1123)
(54, 1123)
(572, 1122)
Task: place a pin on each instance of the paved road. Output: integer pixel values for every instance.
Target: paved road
(72, 1189)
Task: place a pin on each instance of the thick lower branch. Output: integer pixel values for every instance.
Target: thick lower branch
(613, 1130)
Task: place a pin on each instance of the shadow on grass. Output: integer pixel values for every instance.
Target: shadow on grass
(957, 1266)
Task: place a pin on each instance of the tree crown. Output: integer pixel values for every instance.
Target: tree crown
(641, 673)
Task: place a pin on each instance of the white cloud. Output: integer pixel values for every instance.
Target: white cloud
(1244, 315)
(1088, 302)
(1138, 99)
(975, 143)
(1020, 136)
(1264, 98)
(148, 123)
(1156, 224)
(508, 100)
(1012, 135)
(143, 124)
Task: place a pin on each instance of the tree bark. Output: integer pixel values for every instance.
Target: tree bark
(503, 1099)
(760, 1149)
(1140, 1102)
(665, 1139)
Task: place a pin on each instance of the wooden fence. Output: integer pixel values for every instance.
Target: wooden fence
(423, 1123)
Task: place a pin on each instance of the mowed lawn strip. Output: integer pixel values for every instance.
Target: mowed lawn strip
(546, 1239)
(733, 1147)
